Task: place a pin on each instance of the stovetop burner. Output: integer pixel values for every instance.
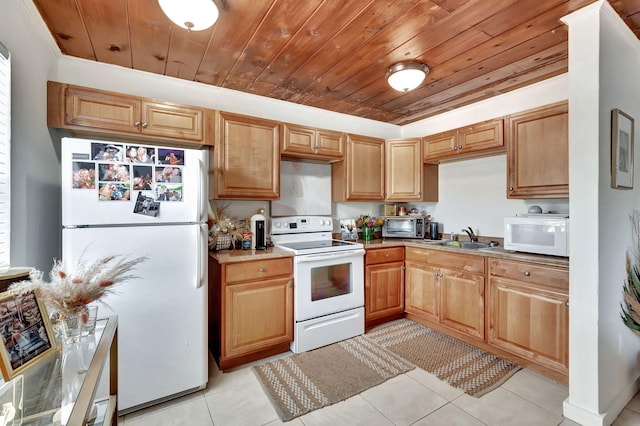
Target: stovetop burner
(319, 246)
(307, 235)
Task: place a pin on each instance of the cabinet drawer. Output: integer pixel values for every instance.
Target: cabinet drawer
(455, 261)
(392, 254)
(530, 273)
(258, 270)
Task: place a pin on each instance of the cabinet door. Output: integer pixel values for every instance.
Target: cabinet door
(102, 110)
(384, 290)
(247, 158)
(403, 170)
(538, 153)
(249, 327)
(441, 145)
(529, 321)
(479, 137)
(172, 121)
(422, 291)
(329, 144)
(463, 302)
(360, 177)
(297, 139)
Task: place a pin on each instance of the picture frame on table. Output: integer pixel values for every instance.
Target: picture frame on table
(27, 334)
(622, 135)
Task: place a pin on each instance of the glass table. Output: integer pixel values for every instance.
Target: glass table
(61, 389)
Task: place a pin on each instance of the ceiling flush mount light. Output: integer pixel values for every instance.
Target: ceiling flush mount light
(194, 15)
(406, 76)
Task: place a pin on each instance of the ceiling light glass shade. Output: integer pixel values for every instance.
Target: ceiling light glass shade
(194, 15)
(406, 76)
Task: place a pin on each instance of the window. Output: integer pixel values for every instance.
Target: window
(5, 157)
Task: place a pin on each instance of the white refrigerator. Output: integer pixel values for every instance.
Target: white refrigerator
(140, 200)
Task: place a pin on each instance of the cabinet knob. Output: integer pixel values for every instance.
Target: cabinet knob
(144, 125)
(137, 123)
(511, 188)
(386, 255)
(527, 273)
(290, 285)
(261, 269)
(567, 304)
(455, 148)
(459, 146)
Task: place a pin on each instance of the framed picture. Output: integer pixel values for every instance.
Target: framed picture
(27, 336)
(621, 150)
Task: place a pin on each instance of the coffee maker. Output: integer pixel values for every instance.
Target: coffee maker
(258, 231)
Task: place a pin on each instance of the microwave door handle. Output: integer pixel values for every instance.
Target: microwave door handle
(327, 256)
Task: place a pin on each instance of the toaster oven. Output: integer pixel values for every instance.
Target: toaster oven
(404, 226)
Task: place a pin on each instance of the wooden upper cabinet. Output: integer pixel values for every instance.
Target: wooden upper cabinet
(477, 139)
(407, 178)
(308, 143)
(247, 158)
(538, 153)
(172, 121)
(87, 110)
(360, 176)
(403, 170)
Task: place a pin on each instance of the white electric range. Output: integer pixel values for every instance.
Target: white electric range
(328, 281)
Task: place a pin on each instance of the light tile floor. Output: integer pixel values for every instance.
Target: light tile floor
(235, 397)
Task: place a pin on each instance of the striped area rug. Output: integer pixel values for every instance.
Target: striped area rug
(298, 384)
(463, 366)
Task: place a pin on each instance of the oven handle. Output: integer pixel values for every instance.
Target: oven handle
(326, 256)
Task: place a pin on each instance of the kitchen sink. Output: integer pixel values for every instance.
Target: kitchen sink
(463, 244)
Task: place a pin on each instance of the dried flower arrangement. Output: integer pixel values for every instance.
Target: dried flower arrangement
(70, 290)
(224, 232)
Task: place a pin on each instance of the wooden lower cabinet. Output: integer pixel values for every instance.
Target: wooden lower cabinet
(384, 285)
(446, 289)
(250, 309)
(529, 313)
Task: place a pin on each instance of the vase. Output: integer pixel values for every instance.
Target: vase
(367, 233)
(70, 326)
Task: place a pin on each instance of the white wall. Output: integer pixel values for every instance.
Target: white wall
(603, 68)
(35, 187)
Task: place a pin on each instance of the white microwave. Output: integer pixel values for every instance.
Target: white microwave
(538, 233)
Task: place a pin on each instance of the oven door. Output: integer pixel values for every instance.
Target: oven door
(327, 283)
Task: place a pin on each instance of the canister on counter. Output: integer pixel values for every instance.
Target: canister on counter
(388, 210)
(246, 240)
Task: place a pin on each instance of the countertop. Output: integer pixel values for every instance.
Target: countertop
(230, 256)
(493, 252)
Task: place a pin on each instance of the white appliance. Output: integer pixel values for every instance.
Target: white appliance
(538, 233)
(162, 315)
(329, 281)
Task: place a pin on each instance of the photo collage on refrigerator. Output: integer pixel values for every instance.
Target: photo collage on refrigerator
(115, 171)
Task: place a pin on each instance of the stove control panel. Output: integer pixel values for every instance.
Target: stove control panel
(300, 224)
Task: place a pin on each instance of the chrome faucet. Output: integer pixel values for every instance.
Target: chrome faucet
(471, 235)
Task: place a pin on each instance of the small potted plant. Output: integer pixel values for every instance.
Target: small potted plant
(368, 223)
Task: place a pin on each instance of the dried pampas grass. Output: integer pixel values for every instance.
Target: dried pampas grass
(71, 289)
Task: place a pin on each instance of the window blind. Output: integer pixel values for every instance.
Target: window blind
(5, 157)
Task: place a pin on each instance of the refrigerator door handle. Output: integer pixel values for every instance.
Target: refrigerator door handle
(203, 194)
(201, 261)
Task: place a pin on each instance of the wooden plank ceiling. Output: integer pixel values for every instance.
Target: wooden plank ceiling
(333, 54)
